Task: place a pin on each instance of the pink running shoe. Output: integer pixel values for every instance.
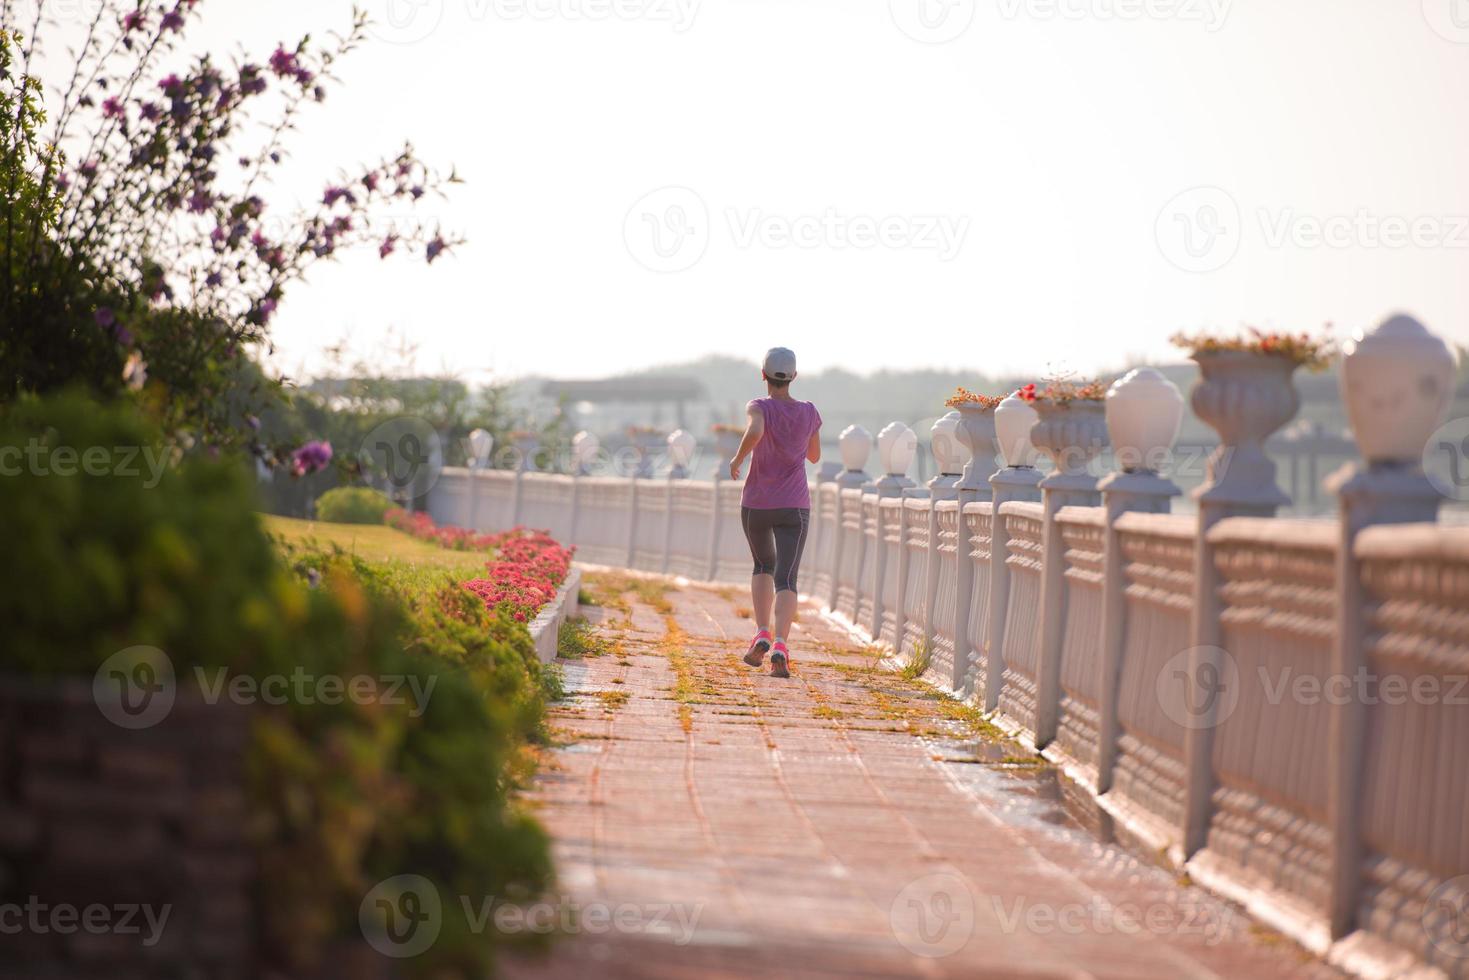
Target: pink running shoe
(780, 661)
(758, 648)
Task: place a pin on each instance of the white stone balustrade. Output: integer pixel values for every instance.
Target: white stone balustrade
(1144, 651)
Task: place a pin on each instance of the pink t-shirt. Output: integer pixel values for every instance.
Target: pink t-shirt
(778, 471)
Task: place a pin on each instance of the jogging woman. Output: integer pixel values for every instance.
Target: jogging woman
(782, 435)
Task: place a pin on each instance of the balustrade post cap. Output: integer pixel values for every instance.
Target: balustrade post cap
(481, 444)
(681, 446)
(1144, 414)
(1014, 418)
(948, 450)
(896, 446)
(856, 447)
(1397, 382)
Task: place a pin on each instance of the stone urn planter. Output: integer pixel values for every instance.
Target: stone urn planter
(727, 443)
(977, 434)
(1072, 434)
(649, 444)
(525, 445)
(1245, 397)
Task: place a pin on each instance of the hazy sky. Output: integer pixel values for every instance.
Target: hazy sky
(1001, 184)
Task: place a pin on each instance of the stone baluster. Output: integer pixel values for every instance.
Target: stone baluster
(1072, 434)
(584, 450)
(1144, 413)
(1245, 397)
(855, 444)
(951, 456)
(1397, 383)
(975, 432)
(481, 445)
(1019, 480)
(896, 447)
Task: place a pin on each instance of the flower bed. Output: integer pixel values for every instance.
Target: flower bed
(526, 569)
(525, 573)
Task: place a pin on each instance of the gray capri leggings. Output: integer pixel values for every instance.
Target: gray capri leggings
(777, 538)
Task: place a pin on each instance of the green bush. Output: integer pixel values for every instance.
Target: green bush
(353, 505)
(342, 796)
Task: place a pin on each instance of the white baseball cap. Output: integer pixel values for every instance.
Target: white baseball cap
(780, 364)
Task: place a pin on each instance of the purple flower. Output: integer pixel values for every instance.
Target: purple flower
(173, 20)
(105, 318)
(335, 194)
(388, 247)
(171, 84)
(200, 202)
(417, 192)
(370, 182)
(311, 458)
(435, 249)
(133, 21)
(283, 62)
(112, 108)
(152, 111)
(214, 280)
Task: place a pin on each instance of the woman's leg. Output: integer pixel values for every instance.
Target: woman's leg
(790, 543)
(761, 538)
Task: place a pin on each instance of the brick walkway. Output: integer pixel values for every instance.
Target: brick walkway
(845, 823)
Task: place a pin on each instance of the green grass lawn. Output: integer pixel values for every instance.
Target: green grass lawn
(375, 544)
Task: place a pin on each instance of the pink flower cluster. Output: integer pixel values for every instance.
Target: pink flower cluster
(525, 573)
(525, 570)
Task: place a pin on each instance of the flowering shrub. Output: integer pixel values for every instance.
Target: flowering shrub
(1312, 353)
(138, 251)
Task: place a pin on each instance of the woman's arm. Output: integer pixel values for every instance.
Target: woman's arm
(753, 432)
(813, 450)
